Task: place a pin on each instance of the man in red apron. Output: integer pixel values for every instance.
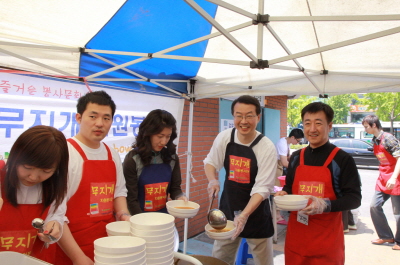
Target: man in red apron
(387, 150)
(97, 192)
(329, 177)
(249, 159)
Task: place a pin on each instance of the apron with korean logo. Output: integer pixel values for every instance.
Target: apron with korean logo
(17, 233)
(387, 164)
(91, 208)
(154, 187)
(322, 240)
(241, 170)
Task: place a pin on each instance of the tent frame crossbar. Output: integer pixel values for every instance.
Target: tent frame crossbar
(221, 29)
(336, 45)
(34, 62)
(335, 18)
(209, 36)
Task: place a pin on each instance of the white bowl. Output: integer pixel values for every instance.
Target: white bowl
(170, 236)
(119, 244)
(153, 220)
(160, 259)
(119, 228)
(221, 235)
(154, 255)
(152, 232)
(110, 258)
(169, 247)
(291, 202)
(174, 209)
(131, 262)
(290, 198)
(165, 262)
(154, 244)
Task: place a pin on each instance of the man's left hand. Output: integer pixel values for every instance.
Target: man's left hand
(239, 221)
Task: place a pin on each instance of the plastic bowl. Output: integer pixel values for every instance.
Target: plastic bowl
(221, 235)
(153, 220)
(291, 202)
(141, 260)
(154, 244)
(151, 232)
(169, 247)
(119, 228)
(110, 258)
(119, 244)
(158, 238)
(182, 213)
(162, 260)
(154, 255)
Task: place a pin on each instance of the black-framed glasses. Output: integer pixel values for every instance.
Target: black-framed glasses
(298, 140)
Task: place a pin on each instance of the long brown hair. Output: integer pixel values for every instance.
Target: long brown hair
(41, 147)
(153, 124)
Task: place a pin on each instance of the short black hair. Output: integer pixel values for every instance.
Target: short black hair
(297, 133)
(371, 119)
(246, 99)
(317, 107)
(96, 97)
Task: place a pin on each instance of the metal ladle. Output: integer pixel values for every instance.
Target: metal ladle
(38, 224)
(216, 218)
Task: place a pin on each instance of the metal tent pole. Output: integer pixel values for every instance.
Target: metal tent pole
(188, 170)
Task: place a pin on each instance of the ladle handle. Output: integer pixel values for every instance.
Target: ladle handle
(212, 200)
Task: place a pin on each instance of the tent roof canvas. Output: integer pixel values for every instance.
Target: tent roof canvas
(258, 47)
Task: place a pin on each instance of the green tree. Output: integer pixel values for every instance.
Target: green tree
(294, 109)
(341, 105)
(386, 105)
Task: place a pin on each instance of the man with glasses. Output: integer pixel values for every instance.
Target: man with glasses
(249, 159)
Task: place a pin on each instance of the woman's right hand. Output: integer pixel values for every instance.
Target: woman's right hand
(281, 193)
(83, 260)
(1, 203)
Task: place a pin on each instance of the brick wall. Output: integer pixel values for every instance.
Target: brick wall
(205, 129)
(279, 103)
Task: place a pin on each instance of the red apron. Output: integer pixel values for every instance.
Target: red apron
(322, 240)
(91, 208)
(387, 164)
(17, 233)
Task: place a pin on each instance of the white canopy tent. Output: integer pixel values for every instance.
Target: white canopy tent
(256, 47)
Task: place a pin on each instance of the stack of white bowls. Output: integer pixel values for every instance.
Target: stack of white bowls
(291, 202)
(118, 228)
(225, 233)
(122, 250)
(157, 229)
(182, 209)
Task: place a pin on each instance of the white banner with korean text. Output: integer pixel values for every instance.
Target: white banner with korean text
(26, 101)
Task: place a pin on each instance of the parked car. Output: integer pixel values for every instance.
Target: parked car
(360, 150)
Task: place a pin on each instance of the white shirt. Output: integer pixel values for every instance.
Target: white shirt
(75, 167)
(264, 151)
(282, 147)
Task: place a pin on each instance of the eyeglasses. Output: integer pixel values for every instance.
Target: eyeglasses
(299, 140)
(247, 117)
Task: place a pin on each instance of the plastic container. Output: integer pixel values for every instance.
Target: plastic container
(282, 180)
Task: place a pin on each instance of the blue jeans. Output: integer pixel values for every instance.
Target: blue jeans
(378, 216)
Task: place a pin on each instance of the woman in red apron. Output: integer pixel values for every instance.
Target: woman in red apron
(34, 178)
(151, 168)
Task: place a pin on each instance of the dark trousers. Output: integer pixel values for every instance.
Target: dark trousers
(348, 219)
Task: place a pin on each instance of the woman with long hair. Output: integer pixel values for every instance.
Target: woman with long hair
(33, 185)
(151, 168)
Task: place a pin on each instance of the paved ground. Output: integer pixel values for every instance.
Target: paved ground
(359, 250)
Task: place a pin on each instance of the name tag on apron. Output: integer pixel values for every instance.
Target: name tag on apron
(302, 218)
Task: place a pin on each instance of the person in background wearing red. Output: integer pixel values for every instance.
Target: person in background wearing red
(328, 176)
(387, 150)
(33, 185)
(93, 167)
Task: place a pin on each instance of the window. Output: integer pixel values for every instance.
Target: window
(360, 145)
(342, 144)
